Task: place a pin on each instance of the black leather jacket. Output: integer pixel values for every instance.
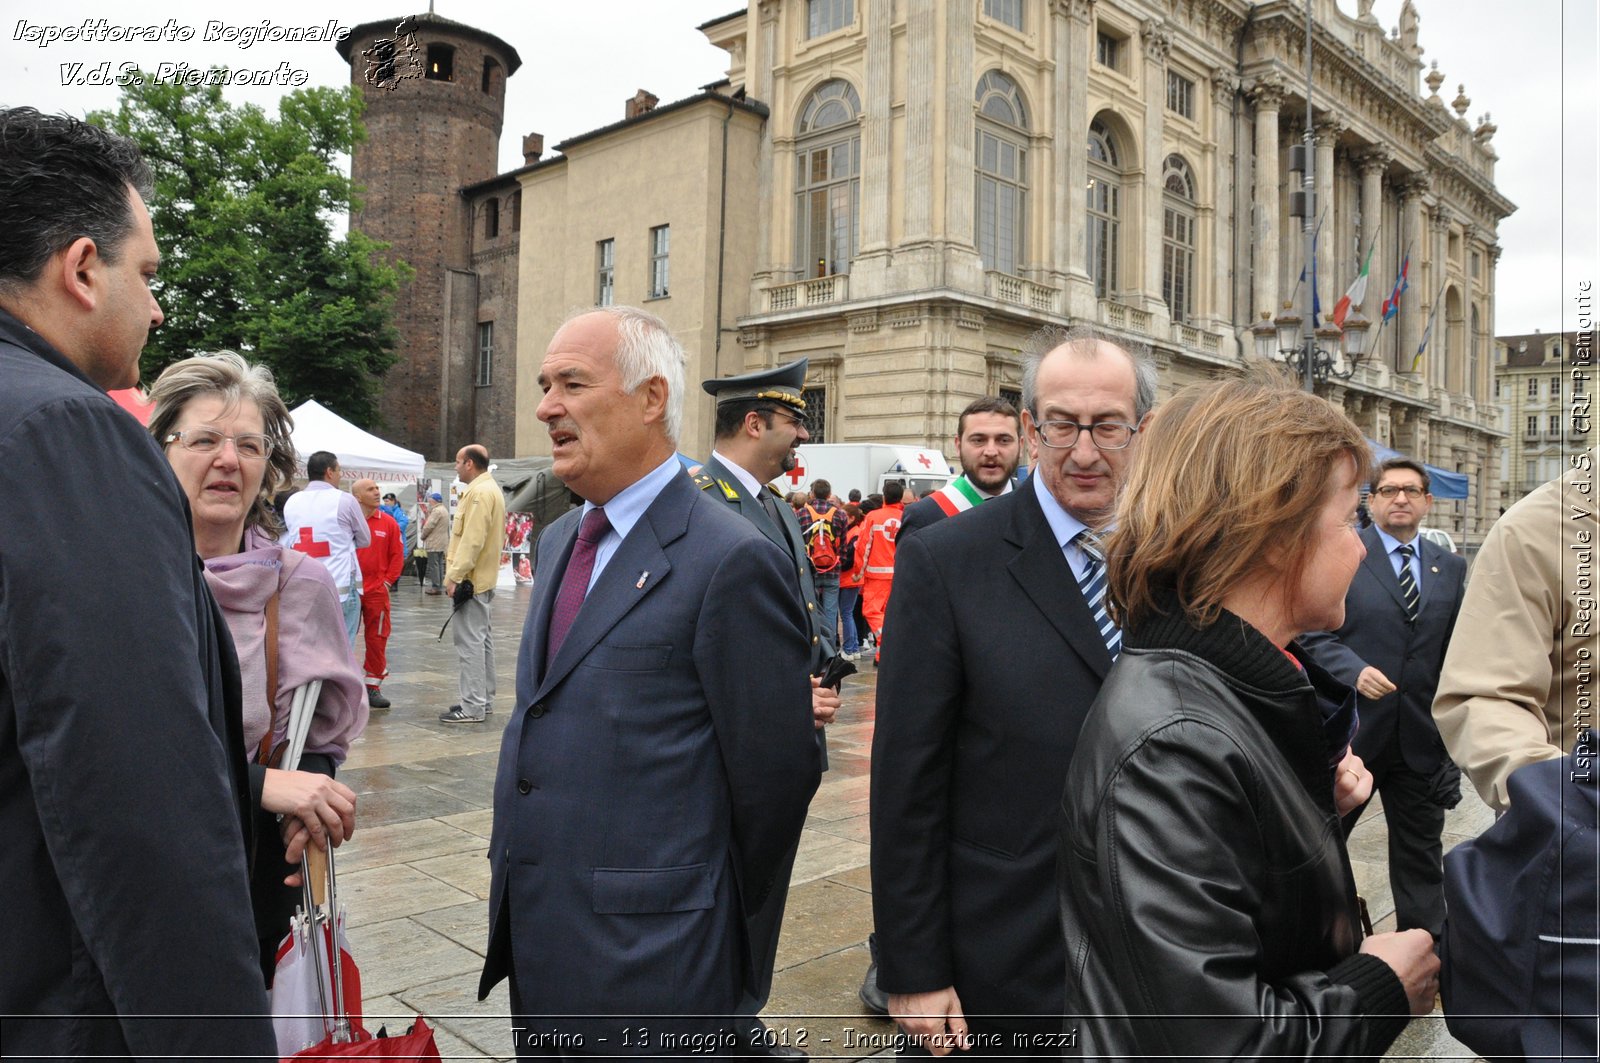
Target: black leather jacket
(1206, 895)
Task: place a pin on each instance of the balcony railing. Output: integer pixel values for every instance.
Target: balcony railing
(1020, 291)
(1197, 339)
(817, 291)
(1122, 316)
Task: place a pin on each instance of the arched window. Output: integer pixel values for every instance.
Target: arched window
(1002, 172)
(1177, 238)
(828, 179)
(1105, 208)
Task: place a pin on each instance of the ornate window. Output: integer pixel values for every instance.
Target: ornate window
(1474, 346)
(1105, 208)
(825, 16)
(1177, 238)
(1002, 172)
(828, 180)
(815, 415)
(1180, 94)
(1007, 11)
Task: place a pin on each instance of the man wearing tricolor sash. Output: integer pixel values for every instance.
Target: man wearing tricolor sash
(989, 441)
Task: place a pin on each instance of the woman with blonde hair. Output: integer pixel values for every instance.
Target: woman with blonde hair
(226, 431)
(1206, 894)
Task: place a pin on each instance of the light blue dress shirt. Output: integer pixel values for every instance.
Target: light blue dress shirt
(1391, 546)
(625, 509)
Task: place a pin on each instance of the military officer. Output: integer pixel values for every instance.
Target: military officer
(758, 425)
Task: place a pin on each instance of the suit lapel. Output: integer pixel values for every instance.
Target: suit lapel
(552, 566)
(749, 506)
(1046, 578)
(636, 569)
(1381, 565)
(1428, 553)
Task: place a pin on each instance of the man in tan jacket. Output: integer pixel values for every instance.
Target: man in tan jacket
(476, 536)
(436, 540)
(1519, 678)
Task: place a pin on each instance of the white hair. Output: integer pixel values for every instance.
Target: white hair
(647, 348)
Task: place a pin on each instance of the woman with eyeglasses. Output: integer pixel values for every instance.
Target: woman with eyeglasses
(226, 431)
(1206, 895)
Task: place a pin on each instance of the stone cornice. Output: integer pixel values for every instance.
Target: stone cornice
(1454, 177)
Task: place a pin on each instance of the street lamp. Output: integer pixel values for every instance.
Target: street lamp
(1330, 354)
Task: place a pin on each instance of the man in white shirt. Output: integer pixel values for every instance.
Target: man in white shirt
(326, 523)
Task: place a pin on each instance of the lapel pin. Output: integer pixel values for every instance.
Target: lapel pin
(646, 575)
(1434, 568)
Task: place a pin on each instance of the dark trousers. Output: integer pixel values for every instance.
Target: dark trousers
(1416, 849)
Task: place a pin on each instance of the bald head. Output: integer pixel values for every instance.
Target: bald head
(366, 492)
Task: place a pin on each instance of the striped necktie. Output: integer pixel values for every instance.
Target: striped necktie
(1408, 583)
(1093, 585)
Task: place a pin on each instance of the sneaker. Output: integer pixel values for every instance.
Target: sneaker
(455, 715)
(376, 699)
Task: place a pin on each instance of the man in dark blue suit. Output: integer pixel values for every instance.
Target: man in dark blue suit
(1398, 616)
(651, 780)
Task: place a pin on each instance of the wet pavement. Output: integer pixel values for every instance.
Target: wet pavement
(415, 878)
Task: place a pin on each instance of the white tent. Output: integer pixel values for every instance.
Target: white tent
(361, 454)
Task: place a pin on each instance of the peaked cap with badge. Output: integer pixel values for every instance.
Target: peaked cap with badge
(783, 385)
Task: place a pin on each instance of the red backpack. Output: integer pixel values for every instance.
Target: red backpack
(822, 539)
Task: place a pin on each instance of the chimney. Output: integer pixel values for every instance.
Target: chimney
(532, 148)
(641, 103)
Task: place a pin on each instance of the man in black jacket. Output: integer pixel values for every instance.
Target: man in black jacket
(977, 716)
(123, 790)
(989, 442)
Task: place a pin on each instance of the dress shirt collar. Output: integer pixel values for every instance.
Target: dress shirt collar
(1391, 544)
(741, 474)
(1063, 525)
(629, 504)
(319, 485)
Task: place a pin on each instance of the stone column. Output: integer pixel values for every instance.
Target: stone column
(876, 98)
(1268, 96)
(961, 268)
(922, 62)
(1157, 41)
(1408, 321)
(1224, 89)
(1072, 132)
(1328, 283)
(1373, 163)
(761, 34)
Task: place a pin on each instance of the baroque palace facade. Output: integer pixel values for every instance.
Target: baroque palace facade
(903, 190)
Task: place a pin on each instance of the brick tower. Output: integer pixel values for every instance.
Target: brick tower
(435, 99)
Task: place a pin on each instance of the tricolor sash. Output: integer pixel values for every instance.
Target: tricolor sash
(957, 496)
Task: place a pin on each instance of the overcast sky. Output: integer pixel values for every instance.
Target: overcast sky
(1531, 65)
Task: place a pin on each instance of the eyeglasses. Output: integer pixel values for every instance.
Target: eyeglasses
(1106, 435)
(1390, 490)
(250, 446)
(798, 422)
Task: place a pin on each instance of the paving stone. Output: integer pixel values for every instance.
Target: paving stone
(465, 924)
(399, 953)
(399, 843)
(389, 892)
(416, 802)
(821, 917)
(817, 1001)
(822, 855)
(479, 822)
(466, 871)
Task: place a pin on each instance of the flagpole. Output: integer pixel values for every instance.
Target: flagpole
(1307, 333)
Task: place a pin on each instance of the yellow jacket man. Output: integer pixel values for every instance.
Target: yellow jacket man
(476, 536)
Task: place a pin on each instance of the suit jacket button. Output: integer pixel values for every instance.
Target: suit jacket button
(815, 639)
(537, 710)
(524, 786)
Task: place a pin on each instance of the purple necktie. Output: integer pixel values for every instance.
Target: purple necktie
(575, 581)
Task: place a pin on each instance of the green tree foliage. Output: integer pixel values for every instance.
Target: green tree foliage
(244, 209)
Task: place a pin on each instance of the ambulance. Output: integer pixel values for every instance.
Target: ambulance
(866, 466)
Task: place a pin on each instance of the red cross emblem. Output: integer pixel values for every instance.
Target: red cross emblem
(308, 545)
(796, 474)
(923, 458)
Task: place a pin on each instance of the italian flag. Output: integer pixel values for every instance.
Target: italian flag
(1357, 292)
